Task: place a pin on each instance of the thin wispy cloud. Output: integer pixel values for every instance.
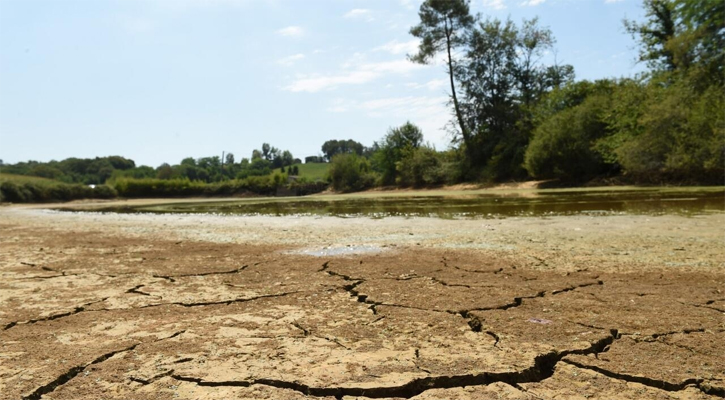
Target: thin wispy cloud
(290, 60)
(433, 84)
(494, 4)
(396, 47)
(358, 13)
(291, 31)
(531, 3)
(358, 75)
(428, 112)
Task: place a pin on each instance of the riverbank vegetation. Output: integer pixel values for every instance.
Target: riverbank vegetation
(514, 117)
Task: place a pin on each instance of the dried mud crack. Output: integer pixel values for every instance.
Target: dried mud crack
(651, 382)
(525, 310)
(542, 368)
(76, 310)
(77, 370)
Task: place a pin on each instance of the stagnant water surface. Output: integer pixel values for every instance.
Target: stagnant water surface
(645, 201)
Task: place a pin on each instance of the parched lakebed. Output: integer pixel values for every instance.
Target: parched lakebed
(621, 304)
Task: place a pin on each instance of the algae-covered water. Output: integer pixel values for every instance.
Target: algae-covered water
(464, 204)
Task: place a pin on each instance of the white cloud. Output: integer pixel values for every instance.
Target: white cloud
(433, 84)
(396, 67)
(430, 113)
(494, 4)
(294, 31)
(339, 105)
(613, 1)
(359, 13)
(316, 83)
(531, 3)
(290, 60)
(360, 74)
(396, 47)
(409, 4)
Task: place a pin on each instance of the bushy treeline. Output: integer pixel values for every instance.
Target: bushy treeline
(514, 117)
(72, 170)
(40, 191)
(269, 185)
(183, 187)
(215, 169)
(99, 170)
(667, 125)
(399, 158)
(517, 118)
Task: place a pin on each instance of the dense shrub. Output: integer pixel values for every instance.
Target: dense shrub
(49, 191)
(677, 134)
(421, 167)
(350, 172)
(562, 146)
(135, 188)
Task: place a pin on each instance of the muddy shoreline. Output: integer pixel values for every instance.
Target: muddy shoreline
(214, 307)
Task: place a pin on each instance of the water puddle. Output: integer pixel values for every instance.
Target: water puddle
(465, 205)
(338, 250)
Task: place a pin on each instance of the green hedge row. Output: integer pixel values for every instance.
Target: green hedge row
(259, 185)
(43, 192)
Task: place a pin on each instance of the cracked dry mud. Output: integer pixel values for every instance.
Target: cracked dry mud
(105, 306)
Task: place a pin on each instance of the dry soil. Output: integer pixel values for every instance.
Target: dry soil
(107, 306)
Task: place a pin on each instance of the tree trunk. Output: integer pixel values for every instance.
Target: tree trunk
(464, 132)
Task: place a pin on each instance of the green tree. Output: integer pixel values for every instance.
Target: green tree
(422, 166)
(655, 34)
(502, 79)
(287, 158)
(563, 145)
(393, 147)
(332, 147)
(350, 172)
(442, 28)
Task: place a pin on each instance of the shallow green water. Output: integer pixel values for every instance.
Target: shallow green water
(647, 201)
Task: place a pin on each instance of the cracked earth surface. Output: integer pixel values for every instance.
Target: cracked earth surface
(108, 306)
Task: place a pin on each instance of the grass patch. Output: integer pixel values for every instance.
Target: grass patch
(313, 172)
(24, 178)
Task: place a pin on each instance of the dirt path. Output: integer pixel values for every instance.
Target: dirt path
(208, 307)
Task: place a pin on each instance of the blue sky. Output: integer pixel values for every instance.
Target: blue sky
(160, 80)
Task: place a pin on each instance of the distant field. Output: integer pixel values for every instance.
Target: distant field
(24, 178)
(313, 171)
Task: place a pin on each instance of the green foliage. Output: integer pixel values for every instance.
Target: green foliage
(654, 34)
(350, 172)
(391, 149)
(20, 189)
(312, 172)
(661, 130)
(314, 159)
(442, 27)
(562, 146)
(73, 170)
(333, 147)
(676, 133)
(501, 82)
(422, 166)
(145, 188)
